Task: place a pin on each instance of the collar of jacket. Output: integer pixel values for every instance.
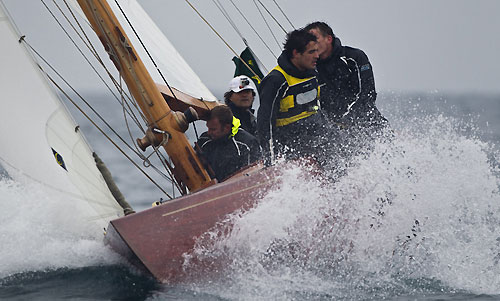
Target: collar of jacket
(239, 110)
(290, 68)
(337, 51)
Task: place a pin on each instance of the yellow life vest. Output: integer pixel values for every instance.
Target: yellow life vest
(299, 101)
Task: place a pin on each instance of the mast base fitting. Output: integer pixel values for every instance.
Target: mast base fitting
(153, 137)
(157, 137)
(184, 119)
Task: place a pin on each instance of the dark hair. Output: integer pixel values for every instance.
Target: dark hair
(323, 28)
(297, 40)
(227, 96)
(223, 113)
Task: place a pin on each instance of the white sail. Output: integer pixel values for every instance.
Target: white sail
(36, 128)
(174, 68)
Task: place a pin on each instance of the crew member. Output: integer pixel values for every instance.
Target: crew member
(346, 78)
(240, 99)
(225, 146)
(288, 119)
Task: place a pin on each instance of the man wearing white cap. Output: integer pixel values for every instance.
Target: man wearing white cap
(240, 99)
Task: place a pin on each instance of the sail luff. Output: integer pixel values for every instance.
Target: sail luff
(187, 167)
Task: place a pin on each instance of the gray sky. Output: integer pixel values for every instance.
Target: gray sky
(425, 45)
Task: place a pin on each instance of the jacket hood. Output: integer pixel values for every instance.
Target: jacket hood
(290, 68)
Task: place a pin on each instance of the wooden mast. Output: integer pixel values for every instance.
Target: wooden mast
(187, 167)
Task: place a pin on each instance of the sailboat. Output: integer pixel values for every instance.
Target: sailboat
(50, 149)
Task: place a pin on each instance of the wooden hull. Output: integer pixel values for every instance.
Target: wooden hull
(156, 239)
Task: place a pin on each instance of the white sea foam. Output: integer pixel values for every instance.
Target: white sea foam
(42, 230)
(423, 207)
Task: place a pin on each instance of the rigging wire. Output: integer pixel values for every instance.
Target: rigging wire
(228, 18)
(86, 102)
(155, 150)
(233, 24)
(93, 51)
(272, 16)
(160, 155)
(145, 49)
(223, 40)
(267, 24)
(154, 122)
(123, 101)
(113, 56)
(129, 111)
(286, 17)
(109, 138)
(254, 30)
(86, 115)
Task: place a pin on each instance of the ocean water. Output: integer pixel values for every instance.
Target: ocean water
(416, 217)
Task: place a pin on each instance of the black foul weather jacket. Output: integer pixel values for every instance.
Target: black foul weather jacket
(288, 115)
(229, 154)
(246, 116)
(348, 87)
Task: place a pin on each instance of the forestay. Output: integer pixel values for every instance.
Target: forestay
(40, 141)
(174, 68)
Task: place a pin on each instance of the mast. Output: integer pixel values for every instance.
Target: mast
(187, 167)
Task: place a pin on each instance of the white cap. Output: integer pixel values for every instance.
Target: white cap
(240, 83)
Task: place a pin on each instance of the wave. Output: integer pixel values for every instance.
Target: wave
(43, 231)
(419, 212)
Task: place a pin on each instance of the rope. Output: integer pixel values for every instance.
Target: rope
(122, 101)
(113, 54)
(215, 31)
(144, 158)
(72, 40)
(195, 131)
(228, 18)
(268, 27)
(145, 49)
(119, 87)
(159, 155)
(93, 51)
(270, 14)
(53, 69)
(286, 17)
(104, 134)
(254, 30)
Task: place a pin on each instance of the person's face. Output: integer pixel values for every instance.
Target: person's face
(216, 130)
(242, 99)
(324, 42)
(306, 60)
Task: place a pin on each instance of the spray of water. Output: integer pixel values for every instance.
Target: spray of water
(419, 212)
(42, 230)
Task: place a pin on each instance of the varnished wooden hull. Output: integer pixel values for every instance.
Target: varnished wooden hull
(156, 239)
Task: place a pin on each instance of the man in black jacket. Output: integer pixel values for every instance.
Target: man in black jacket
(240, 99)
(225, 146)
(288, 119)
(346, 78)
